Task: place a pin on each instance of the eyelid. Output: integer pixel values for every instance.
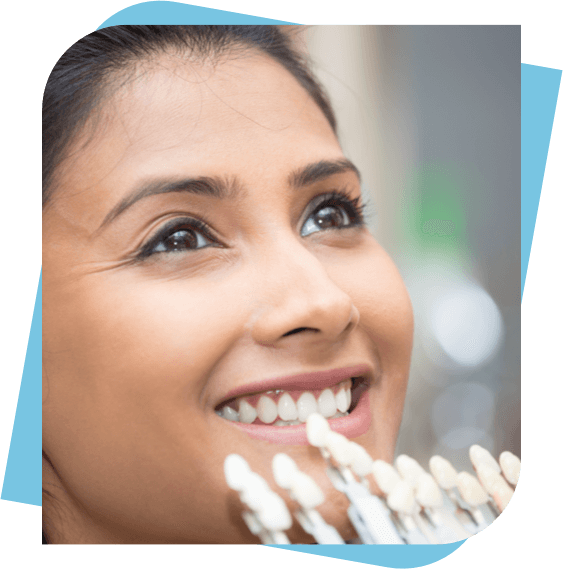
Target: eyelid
(342, 195)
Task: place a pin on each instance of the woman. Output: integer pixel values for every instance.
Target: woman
(206, 274)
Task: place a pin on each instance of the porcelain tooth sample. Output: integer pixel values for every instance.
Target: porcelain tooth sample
(495, 485)
(479, 455)
(427, 492)
(510, 465)
(409, 468)
(470, 489)
(444, 473)
(317, 430)
(385, 475)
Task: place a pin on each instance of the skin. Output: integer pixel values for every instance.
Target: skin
(138, 354)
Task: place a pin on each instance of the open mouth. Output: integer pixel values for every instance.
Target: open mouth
(282, 408)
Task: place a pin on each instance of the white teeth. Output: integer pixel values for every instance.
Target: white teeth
(342, 400)
(230, 414)
(267, 410)
(246, 411)
(297, 422)
(470, 489)
(286, 411)
(327, 403)
(280, 423)
(306, 404)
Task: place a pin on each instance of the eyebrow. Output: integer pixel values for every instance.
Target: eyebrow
(227, 188)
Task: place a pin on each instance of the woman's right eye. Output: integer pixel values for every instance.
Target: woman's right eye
(178, 237)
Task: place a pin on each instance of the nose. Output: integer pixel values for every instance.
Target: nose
(298, 300)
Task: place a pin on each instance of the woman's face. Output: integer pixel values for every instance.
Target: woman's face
(205, 244)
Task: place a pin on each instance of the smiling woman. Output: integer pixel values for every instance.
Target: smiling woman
(208, 280)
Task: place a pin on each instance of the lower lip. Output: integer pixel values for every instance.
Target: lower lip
(351, 426)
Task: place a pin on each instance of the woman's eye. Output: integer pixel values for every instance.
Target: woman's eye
(333, 213)
(328, 217)
(180, 241)
(178, 238)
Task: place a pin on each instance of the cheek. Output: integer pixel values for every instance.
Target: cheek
(126, 365)
(386, 314)
(113, 328)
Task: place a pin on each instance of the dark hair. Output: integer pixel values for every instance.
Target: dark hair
(88, 70)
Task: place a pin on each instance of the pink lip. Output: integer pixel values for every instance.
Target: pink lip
(301, 382)
(351, 426)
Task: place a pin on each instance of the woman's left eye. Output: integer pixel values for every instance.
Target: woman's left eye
(334, 212)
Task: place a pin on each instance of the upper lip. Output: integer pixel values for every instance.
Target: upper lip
(301, 382)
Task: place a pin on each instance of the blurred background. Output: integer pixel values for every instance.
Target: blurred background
(431, 116)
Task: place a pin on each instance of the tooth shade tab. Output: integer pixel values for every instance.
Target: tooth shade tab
(273, 513)
(306, 491)
(361, 460)
(427, 492)
(510, 465)
(317, 430)
(254, 490)
(401, 498)
(470, 489)
(284, 469)
(444, 473)
(490, 479)
(385, 475)
(339, 448)
(236, 471)
(479, 455)
(409, 468)
(503, 496)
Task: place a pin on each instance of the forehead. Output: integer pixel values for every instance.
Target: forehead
(236, 117)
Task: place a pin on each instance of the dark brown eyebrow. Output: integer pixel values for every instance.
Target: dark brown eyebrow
(227, 188)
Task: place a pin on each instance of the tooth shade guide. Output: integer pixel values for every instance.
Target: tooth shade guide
(473, 509)
(437, 523)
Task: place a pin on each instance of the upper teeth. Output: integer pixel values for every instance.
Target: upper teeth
(290, 412)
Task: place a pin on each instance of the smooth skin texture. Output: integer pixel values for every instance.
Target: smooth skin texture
(138, 352)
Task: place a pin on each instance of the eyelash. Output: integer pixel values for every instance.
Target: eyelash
(338, 199)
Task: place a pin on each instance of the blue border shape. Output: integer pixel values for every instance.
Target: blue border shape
(22, 481)
(540, 88)
(170, 13)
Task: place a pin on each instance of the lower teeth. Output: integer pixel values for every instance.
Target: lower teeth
(281, 423)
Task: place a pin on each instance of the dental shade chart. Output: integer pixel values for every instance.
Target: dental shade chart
(402, 522)
(416, 507)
